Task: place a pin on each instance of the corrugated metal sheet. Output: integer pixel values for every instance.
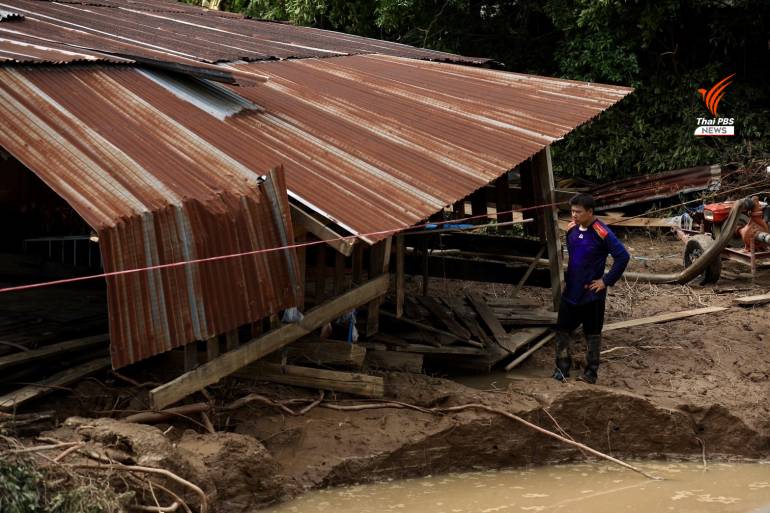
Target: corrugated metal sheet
(19, 48)
(132, 29)
(658, 186)
(156, 193)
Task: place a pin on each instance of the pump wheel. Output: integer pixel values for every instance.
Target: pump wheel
(696, 246)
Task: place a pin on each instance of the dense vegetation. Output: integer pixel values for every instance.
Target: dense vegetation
(666, 49)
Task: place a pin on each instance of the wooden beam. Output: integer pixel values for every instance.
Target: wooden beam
(503, 199)
(319, 277)
(52, 350)
(425, 327)
(750, 300)
(548, 218)
(327, 352)
(323, 232)
(358, 264)
(394, 360)
(15, 399)
(347, 382)
(479, 207)
(379, 260)
(190, 356)
(226, 364)
(400, 291)
(527, 274)
(531, 350)
(671, 316)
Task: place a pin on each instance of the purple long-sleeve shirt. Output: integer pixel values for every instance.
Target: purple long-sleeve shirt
(588, 250)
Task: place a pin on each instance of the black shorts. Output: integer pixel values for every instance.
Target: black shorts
(590, 315)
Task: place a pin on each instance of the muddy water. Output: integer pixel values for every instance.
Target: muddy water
(583, 488)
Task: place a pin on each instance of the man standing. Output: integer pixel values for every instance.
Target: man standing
(589, 241)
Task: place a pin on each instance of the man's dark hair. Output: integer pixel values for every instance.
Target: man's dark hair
(583, 200)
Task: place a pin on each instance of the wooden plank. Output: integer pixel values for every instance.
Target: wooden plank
(526, 317)
(752, 300)
(520, 338)
(301, 265)
(226, 364)
(527, 274)
(347, 382)
(487, 317)
(529, 352)
(503, 199)
(456, 350)
(52, 350)
(445, 318)
(671, 316)
(509, 302)
(327, 352)
(394, 360)
(323, 232)
(400, 291)
(479, 206)
(15, 399)
(543, 171)
(358, 264)
(467, 316)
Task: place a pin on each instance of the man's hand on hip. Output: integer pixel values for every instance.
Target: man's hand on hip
(597, 285)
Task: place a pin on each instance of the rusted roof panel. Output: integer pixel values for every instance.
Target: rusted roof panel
(156, 193)
(633, 190)
(178, 31)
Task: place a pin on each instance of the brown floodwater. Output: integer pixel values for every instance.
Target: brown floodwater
(579, 488)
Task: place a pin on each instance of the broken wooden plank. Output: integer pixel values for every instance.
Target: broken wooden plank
(395, 360)
(226, 364)
(529, 352)
(671, 316)
(509, 302)
(488, 317)
(520, 338)
(52, 350)
(752, 300)
(530, 316)
(335, 353)
(425, 327)
(445, 318)
(467, 316)
(347, 382)
(16, 398)
(27, 424)
(425, 349)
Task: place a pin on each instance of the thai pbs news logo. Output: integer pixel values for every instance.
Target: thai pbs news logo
(715, 126)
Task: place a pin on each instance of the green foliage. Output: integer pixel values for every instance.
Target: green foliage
(665, 49)
(23, 490)
(20, 486)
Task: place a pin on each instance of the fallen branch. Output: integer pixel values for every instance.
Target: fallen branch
(43, 447)
(151, 416)
(312, 405)
(256, 398)
(150, 470)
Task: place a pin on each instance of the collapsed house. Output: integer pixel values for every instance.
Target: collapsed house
(223, 169)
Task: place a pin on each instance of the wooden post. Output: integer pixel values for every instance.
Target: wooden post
(301, 264)
(212, 348)
(358, 263)
(425, 263)
(190, 356)
(400, 282)
(232, 339)
(528, 198)
(339, 273)
(458, 209)
(378, 264)
(548, 218)
(320, 274)
(503, 199)
(479, 206)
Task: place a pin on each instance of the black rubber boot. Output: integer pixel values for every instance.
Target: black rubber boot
(593, 357)
(563, 356)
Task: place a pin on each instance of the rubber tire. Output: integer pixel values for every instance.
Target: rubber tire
(696, 246)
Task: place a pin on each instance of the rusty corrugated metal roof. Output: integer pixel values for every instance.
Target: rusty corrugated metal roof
(156, 193)
(375, 142)
(176, 31)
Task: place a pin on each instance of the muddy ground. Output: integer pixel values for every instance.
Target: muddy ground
(692, 388)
